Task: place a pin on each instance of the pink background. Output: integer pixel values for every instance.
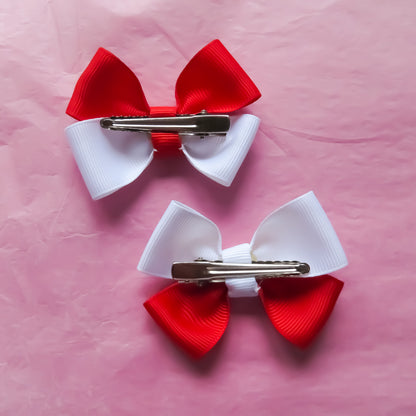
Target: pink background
(338, 117)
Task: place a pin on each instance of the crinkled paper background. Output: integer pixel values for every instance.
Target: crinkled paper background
(338, 116)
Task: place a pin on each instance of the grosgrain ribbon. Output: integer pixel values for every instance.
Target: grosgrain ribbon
(195, 317)
(211, 81)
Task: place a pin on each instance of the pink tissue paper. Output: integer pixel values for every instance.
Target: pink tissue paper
(338, 117)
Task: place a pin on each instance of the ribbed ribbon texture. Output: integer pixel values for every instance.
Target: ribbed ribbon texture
(196, 317)
(212, 81)
(298, 307)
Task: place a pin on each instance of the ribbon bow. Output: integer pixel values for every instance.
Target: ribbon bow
(109, 160)
(195, 317)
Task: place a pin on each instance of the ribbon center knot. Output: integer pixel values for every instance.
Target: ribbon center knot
(165, 143)
(240, 287)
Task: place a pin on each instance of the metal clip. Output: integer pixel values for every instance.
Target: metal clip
(202, 124)
(201, 270)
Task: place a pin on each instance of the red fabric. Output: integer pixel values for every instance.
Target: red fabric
(195, 317)
(212, 81)
(107, 88)
(165, 143)
(299, 308)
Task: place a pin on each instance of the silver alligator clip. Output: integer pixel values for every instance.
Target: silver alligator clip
(200, 270)
(202, 124)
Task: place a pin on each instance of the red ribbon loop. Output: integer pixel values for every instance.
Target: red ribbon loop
(213, 81)
(299, 308)
(107, 88)
(195, 317)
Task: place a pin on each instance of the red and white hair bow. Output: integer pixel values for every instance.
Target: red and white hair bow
(212, 81)
(195, 316)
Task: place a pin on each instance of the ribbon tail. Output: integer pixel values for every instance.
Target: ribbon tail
(300, 307)
(193, 317)
(106, 88)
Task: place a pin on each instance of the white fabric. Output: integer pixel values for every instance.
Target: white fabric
(109, 160)
(300, 230)
(239, 288)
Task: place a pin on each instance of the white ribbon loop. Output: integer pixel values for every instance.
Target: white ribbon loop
(182, 234)
(219, 158)
(300, 230)
(109, 160)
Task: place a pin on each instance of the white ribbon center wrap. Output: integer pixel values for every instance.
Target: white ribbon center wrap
(299, 230)
(244, 287)
(109, 160)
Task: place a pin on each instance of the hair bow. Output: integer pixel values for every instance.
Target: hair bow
(211, 82)
(195, 316)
